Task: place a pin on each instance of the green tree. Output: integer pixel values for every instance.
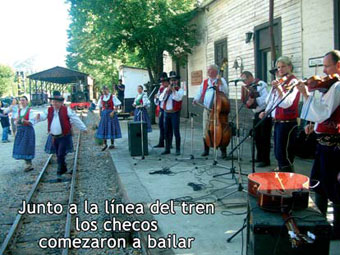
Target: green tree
(6, 80)
(130, 31)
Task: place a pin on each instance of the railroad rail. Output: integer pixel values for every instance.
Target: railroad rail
(16, 231)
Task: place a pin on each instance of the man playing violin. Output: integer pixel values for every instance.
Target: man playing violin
(256, 100)
(171, 100)
(205, 96)
(325, 112)
(284, 115)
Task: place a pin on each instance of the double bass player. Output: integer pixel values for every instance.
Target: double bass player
(205, 97)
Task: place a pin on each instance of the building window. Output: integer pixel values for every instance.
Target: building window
(221, 57)
(263, 50)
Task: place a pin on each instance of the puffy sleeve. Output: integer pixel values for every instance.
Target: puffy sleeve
(320, 109)
(116, 101)
(75, 120)
(261, 100)
(146, 101)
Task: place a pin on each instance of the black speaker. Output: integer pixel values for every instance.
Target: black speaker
(135, 138)
(267, 233)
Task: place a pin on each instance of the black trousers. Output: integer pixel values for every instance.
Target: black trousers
(262, 135)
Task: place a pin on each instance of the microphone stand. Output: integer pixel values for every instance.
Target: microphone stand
(192, 128)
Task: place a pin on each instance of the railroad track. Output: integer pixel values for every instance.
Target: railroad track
(27, 229)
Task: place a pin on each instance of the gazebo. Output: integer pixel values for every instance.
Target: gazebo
(56, 78)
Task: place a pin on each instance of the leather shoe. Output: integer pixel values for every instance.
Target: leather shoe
(205, 153)
(263, 164)
(104, 147)
(159, 146)
(165, 152)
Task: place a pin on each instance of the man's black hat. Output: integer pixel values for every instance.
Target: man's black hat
(164, 77)
(173, 75)
(56, 96)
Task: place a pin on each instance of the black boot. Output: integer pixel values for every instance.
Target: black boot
(178, 147)
(206, 149)
(321, 202)
(336, 222)
(167, 147)
(288, 169)
(223, 152)
(104, 146)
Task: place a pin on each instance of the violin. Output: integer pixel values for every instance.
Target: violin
(321, 83)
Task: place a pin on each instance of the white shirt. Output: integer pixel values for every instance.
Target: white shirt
(146, 101)
(209, 94)
(55, 128)
(175, 95)
(273, 98)
(106, 98)
(156, 100)
(261, 88)
(320, 109)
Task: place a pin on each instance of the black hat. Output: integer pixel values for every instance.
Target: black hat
(173, 75)
(56, 96)
(164, 77)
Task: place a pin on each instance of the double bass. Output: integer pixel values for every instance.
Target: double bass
(218, 132)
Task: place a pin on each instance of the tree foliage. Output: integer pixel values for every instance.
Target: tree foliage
(6, 79)
(106, 33)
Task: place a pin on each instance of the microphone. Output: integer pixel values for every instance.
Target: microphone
(237, 80)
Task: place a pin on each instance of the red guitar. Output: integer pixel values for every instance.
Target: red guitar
(282, 192)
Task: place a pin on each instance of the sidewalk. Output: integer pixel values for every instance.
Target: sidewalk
(192, 180)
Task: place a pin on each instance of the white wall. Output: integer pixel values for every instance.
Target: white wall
(131, 78)
(318, 32)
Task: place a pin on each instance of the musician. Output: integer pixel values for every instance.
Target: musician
(120, 88)
(141, 103)
(256, 100)
(60, 120)
(164, 80)
(205, 96)
(284, 115)
(325, 112)
(171, 101)
(109, 127)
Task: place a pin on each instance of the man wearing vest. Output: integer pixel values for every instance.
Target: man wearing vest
(171, 100)
(284, 115)
(59, 119)
(256, 100)
(325, 112)
(109, 127)
(205, 96)
(164, 80)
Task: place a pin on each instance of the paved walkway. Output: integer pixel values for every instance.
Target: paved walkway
(192, 180)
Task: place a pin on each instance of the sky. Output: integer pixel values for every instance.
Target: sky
(33, 31)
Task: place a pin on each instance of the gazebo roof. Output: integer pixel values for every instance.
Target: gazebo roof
(59, 75)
